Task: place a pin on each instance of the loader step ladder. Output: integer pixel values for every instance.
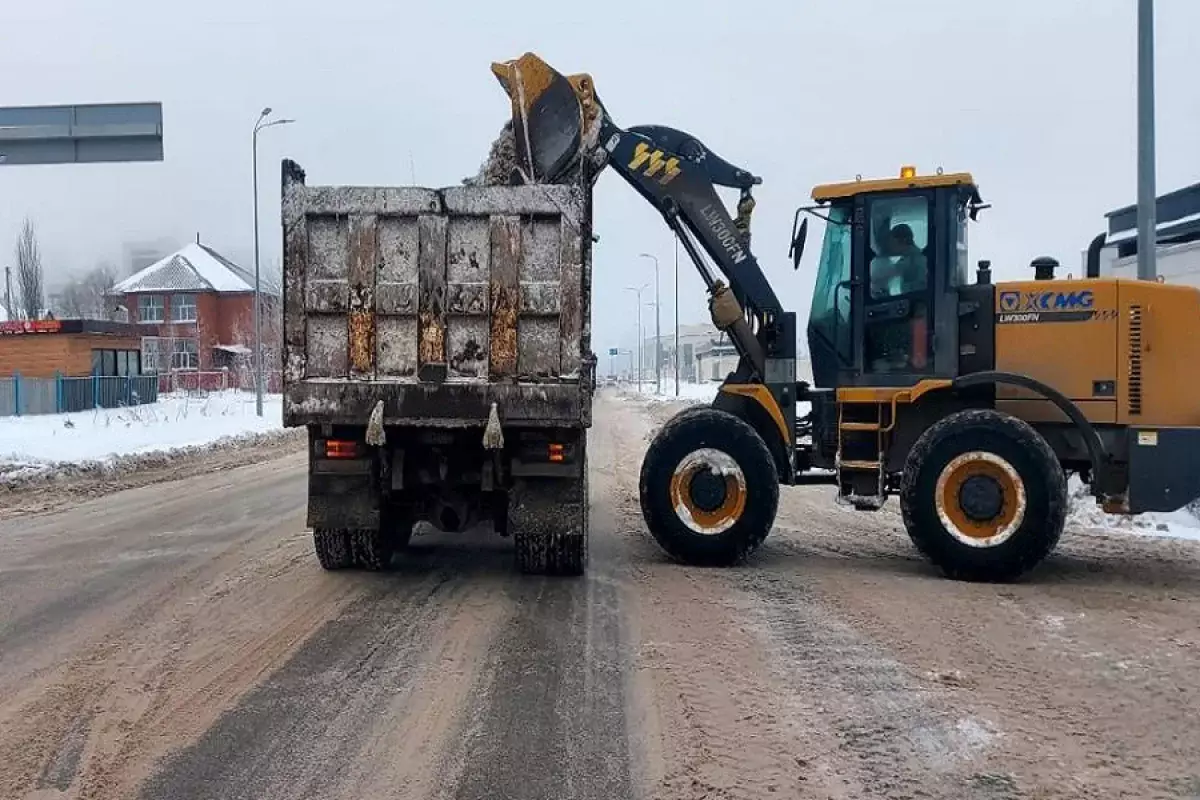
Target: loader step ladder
(862, 448)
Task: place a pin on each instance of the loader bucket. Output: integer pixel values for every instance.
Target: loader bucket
(549, 113)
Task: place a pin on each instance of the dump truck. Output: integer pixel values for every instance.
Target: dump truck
(436, 345)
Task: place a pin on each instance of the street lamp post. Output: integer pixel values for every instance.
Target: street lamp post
(657, 329)
(638, 292)
(1147, 237)
(678, 347)
(258, 371)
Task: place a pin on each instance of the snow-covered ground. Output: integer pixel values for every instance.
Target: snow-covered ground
(688, 392)
(1085, 513)
(33, 445)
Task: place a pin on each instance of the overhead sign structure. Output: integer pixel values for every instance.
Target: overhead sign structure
(81, 134)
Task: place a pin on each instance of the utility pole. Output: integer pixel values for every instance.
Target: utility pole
(258, 358)
(657, 329)
(640, 348)
(1147, 239)
(8, 293)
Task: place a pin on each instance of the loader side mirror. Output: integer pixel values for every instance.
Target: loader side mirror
(799, 236)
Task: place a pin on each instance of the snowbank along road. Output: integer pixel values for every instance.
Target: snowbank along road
(178, 640)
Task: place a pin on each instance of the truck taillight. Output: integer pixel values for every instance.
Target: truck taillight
(556, 452)
(340, 448)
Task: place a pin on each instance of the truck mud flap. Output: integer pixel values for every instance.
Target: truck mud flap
(548, 520)
(342, 501)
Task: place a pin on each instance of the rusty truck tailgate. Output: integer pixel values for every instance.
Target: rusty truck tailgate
(438, 302)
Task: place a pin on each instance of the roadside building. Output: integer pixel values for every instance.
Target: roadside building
(51, 365)
(1178, 239)
(195, 309)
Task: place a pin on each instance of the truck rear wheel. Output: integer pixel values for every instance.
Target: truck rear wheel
(333, 548)
(983, 496)
(372, 548)
(548, 520)
(709, 488)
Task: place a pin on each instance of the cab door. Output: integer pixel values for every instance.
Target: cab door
(900, 329)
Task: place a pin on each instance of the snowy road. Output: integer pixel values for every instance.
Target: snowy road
(177, 640)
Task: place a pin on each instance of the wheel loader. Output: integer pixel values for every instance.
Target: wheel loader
(971, 401)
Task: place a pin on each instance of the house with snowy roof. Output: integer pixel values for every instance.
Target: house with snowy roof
(197, 310)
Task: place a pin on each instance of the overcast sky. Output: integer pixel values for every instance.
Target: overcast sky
(1035, 97)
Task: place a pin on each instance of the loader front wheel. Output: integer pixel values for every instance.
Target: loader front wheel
(709, 489)
(983, 496)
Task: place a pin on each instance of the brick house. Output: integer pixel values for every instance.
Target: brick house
(196, 309)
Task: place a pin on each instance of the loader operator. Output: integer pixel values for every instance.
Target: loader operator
(900, 269)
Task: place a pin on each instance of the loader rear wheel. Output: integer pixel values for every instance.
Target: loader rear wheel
(548, 520)
(983, 496)
(709, 489)
(333, 548)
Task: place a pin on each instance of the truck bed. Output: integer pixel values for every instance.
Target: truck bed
(438, 302)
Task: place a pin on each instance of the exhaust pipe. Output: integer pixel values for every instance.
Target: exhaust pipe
(1093, 255)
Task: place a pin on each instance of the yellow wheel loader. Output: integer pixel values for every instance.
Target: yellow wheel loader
(969, 400)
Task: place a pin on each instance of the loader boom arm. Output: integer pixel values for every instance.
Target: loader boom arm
(677, 174)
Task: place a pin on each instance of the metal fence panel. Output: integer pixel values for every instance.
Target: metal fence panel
(8, 397)
(70, 395)
(38, 396)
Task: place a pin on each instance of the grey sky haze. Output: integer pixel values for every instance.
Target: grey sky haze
(1036, 98)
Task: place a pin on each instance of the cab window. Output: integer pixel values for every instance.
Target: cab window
(960, 272)
(899, 242)
(896, 316)
(830, 313)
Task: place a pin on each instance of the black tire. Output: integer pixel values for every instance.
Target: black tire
(333, 548)
(686, 434)
(548, 519)
(372, 549)
(968, 553)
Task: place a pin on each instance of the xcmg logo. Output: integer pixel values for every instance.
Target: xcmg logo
(1017, 302)
(1049, 306)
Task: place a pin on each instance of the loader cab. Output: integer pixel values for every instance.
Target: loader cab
(885, 308)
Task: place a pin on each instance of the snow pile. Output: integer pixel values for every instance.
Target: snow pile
(1085, 513)
(689, 393)
(34, 446)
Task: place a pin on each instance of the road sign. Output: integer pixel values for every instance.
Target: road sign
(81, 134)
(612, 351)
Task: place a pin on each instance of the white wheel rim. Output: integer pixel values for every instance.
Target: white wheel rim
(960, 533)
(718, 463)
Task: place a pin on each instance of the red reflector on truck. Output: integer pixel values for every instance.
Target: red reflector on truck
(338, 448)
(556, 452)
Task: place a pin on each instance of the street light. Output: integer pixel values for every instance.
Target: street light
(639, 291)
(1147, 236)
(678, 347)
(657, 329)
(260, 124)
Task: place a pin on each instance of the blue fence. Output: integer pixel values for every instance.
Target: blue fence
(20, 396)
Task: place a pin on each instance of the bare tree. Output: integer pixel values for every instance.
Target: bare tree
(96, 285)
(86, 297)
(30, 277)
(68, 303)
